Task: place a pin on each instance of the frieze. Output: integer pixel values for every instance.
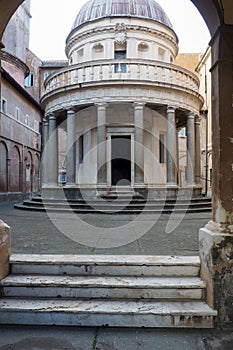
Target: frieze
(178, 99)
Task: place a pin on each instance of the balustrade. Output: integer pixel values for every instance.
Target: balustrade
(158, 73)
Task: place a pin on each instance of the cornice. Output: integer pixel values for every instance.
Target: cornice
(7, 57)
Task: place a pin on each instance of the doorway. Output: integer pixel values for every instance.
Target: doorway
(121, 160)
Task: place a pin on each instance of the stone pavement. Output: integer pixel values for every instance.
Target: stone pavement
(76, 338)
(33, 232)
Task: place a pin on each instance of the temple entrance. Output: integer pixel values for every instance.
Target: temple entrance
(121, 160)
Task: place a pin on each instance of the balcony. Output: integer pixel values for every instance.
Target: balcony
(130, 71)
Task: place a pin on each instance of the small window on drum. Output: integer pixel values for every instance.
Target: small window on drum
(80, 54)
(161, 54)
(143, 47)
(98, 48)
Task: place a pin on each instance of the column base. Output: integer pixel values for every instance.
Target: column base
(70, 185)
(172, 185)
(216, 253)
(48, 186)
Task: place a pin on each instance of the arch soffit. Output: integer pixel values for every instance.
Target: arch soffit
(17, 150)
(7, 9)
(4, 145)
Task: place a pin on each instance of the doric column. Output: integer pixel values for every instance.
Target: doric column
(53, 151)
(171, 145)
(70, 148)
(197, 151)
(45, 158)
(177, 158)
(190, 150)
(138, 144)
(101, 144)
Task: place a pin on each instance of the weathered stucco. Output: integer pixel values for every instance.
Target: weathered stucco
(4, 249)
(216, 251)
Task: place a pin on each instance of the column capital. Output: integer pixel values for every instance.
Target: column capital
(139, 105)
(71, 110)
(51, 116)
(171, 109)
(191, 115)
(101, 105)
(45, 122)
(197, 119)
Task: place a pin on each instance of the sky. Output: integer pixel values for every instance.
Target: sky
(52, 21)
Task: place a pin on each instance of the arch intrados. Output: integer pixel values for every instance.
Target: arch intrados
(4, 145)
(15, 148)
(210, 10)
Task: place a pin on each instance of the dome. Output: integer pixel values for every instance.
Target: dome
(97, 9)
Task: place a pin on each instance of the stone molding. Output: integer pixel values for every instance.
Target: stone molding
(58, 102)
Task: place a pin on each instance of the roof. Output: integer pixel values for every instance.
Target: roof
(97, 9)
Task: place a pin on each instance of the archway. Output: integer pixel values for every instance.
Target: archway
(3, 167)
(216, 256)
(15, 171)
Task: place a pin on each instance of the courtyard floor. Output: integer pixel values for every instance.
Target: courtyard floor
(34, 232)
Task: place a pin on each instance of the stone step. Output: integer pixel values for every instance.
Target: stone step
(119, 287)
(109, 205)
(122, 200)
(113, 211)
(105, 265)
(99, 205)
(112, 313)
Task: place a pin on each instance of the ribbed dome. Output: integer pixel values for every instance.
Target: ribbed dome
(96, 9)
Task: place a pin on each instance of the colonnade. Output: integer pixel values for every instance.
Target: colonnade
(172, 146)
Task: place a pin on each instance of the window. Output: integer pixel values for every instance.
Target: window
(161, 149)
(17, 113)
(4, 106)
(182, 132)
(80, 54)
(46, 74)
(36, 125)
(143, 47)
(27, 119)
(81, 149)
(97, 48)
(161, 54)
(29, 80)
(120, 67)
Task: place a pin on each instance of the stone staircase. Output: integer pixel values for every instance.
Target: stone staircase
(113, 204)
(105, 290)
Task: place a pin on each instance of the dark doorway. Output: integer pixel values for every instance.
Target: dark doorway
(121, 160)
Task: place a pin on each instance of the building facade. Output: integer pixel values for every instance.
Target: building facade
(20, 115)
(121, 102)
